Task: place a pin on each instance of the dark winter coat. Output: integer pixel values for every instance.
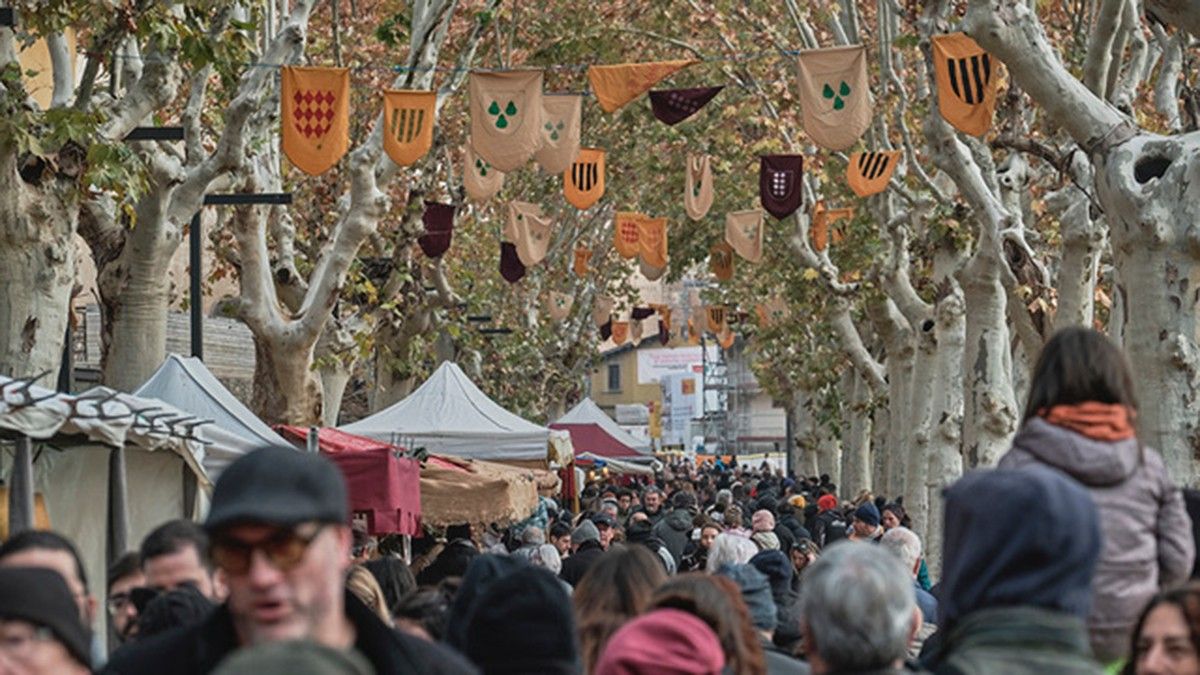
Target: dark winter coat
(830, 526)
(578, 563)
(1014, 641)
(1147, 533)
(198, 648)
(675, 531)
(780, 662)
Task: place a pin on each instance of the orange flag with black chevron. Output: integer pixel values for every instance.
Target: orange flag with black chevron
(408, 124)
(967, 83)
(868, 173)
(315, 116)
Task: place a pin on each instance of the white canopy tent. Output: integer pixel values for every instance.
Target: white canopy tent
(587, 412)
(187, 384)
(449, 415)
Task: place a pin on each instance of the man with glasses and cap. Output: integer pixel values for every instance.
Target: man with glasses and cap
(279, 531)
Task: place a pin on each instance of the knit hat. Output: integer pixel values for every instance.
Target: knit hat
(868, 514)
(662, 642)
(41, 597)
(483, 572)
(776, 566)
(756, 592)
(798, 501)
(585, 532)
(762, 521)
(299, 657)
(827, 503)
(766, 541)
(523, 623)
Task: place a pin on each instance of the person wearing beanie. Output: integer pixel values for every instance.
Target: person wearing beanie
(298, 657)
(523, 623)
(866, 524)
(778, 569)
(663, 642)
(764, 616)
(762, 521)
(180, 606)
(585, 550)
(675, 529)
(279, 533)
(38, 613)
(830, 525)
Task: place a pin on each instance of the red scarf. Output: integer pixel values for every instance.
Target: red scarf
(1099, 421)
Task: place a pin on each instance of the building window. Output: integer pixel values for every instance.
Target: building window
(614, 377)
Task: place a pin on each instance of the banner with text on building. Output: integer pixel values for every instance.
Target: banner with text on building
(652, 364)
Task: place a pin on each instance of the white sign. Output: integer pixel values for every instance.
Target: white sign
(681, 403)
(652, 364)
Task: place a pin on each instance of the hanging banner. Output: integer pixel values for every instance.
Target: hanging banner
(672, 106)
(510, 263)
(561, 115)
(966, 83)
(664, 333)
(835, 95)
(529, 231)
(408, 119)
(606, 330)
(868, 173)
(583, 183)
(651, 272)
(620, 332)
(652, 242)
(698, 187)
(481, 180)
(720, 261)
(819, 228)
(602, 308)
(726, 338)
(744, 232)
(779, 187)
(772, 311)
(635, 331)
(506, 116)
(619, 84)
(625, 232)
(582, 256)
(664, 316)
(439, 227)
(315, 117)
(559, 305)
(715, 314)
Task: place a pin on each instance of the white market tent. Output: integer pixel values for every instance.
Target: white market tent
(587, 412)
(449, 415)
(187, 384)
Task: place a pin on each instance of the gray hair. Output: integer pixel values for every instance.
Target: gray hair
(729, 549)
(857, 607)
(905, 544)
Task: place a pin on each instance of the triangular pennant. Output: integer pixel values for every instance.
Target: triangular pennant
(625, 232)
(558, 305)
(561, 114)
(635, 331)
(821, 218)
(720, 261)
(408, 119)
(481, 180)
(779, 187)
(583, 182)
(772, 311)
(651, 272)
(715, 314)
(506, 116)
(967, 83)
(619, 84)
(510, 263)
(583, 256)
(641, 313)
(606, 330)
(620, 332)
(315, 117)
(698, 187)
(868, 173)
(602, 308)
(672, 106)
(652, 241)
(744, 232)
(439, 228)
(529, 231)
(835, 95)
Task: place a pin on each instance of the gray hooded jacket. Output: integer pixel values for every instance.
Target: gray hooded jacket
(1147, 533)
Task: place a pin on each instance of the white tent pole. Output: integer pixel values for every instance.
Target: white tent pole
(20, 488)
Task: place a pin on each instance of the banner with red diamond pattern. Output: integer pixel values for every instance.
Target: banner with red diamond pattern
(316, 117)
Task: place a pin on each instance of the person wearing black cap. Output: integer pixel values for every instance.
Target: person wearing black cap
(280, 534)
(866, 524)
(40, 630)
(605, 527)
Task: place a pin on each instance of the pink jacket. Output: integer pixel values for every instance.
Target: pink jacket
(1147, 533)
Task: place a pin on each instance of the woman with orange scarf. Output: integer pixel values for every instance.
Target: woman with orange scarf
(1080, 419)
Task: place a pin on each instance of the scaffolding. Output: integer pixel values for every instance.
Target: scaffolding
(717, 431)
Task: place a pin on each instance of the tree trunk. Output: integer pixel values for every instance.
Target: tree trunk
(901, 359)
(945, 419)
(286, 390)
(335, 376)
(856, 448)
(920, 410)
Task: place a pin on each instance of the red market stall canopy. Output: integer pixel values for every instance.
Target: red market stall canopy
(382, 484)
(594, 432)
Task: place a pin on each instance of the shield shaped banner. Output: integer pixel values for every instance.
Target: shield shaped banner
(510, 263)
(561, 114)
(619, 84)
(834, 95)
(506, 116)
(715, 314)
(481, 180)
(744, 232)
(408, 118)
(868, 173)
(626, 232)
(583, 256)
(529, 231)
(652, 242)
(649, 271)
(672, 106)
(602, 308)
(772, 311)
(779, 187)
(439, 227)
(583, 183)
(315, 116)
(559, 305)
(720, 261)
(698, 187)
(966, 82)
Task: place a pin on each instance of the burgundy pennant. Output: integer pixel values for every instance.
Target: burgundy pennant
(439, 227)
(510, 263)
(779, 184)
(672, 106)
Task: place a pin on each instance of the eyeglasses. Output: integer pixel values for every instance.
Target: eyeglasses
(118, 603)
(284, 549)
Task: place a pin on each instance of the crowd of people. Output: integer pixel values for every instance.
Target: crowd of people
(1072, 556)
